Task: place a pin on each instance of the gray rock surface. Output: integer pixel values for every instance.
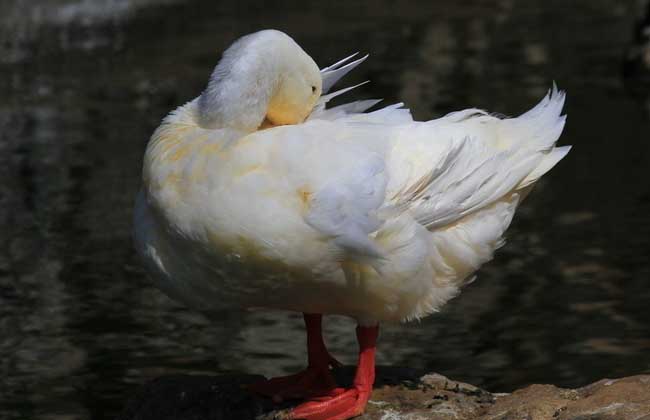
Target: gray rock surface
(399, 394)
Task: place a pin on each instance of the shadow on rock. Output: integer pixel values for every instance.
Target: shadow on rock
(400, 393)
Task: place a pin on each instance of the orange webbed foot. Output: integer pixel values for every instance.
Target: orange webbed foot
(350, 403)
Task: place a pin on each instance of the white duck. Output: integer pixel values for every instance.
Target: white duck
(256, 196)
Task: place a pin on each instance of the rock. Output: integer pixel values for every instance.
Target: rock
(402, 394)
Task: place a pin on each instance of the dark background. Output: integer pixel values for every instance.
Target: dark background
(83, 83)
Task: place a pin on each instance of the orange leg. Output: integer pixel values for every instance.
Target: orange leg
(351, 402)
(316, 380)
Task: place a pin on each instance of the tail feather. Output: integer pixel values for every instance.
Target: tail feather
(549, 161)
(540, 127)
(445, 179)
(547, 126)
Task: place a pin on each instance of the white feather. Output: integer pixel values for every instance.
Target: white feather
(336, 71)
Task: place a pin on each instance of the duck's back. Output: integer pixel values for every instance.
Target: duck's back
(385, 216)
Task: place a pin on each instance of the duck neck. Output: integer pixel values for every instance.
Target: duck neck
(239, 92)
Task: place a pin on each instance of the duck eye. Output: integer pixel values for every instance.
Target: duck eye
(313, 89)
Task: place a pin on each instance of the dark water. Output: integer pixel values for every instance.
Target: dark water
(84, 83)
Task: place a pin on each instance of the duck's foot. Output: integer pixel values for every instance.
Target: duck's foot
(313, 382)
(350, 403)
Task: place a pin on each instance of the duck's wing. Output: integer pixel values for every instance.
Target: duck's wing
(444, 169)
(435, 172)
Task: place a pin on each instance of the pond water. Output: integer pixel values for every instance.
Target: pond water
(84, 83)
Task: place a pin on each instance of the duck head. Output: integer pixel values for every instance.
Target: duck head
(264, 75)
